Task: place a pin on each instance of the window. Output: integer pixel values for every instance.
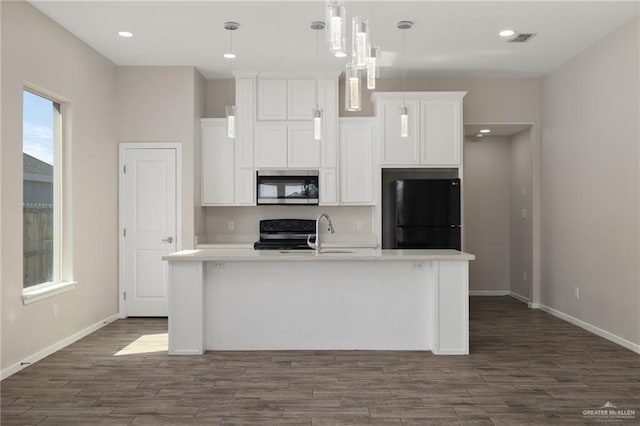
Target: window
(42, 196)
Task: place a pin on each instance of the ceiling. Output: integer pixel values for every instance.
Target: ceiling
(450, 38)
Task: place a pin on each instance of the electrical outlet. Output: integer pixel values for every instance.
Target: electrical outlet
(417, 266)
(217, 265)
(358, 225)
(524, 191)
(577, 292)
(230, 225)
(524, 213)
(524, 275)
(54, 311)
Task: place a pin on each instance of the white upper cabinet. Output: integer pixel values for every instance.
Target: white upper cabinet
(271, 99)
(435, 129)
(285, 99)
(281, 145)
(328, 101)
(283, 132)
(302, 149)
(397, 150)
(301, 99)
(270, 148)
(356, 161)
(328, 187)
(441, 128)
(217, 167)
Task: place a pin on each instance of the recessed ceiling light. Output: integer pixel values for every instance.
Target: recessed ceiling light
(229, 55)
(479, 135)
(506, 33)
(341, 54)
(485, 131)
(126, 34)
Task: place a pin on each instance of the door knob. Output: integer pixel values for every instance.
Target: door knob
(167, 240)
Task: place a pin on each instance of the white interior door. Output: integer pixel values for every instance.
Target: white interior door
(149, 228)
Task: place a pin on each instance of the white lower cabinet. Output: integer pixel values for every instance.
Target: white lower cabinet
(356, 161)
(328, 187)
(218, 166)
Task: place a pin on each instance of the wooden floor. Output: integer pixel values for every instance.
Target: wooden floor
(525, 367)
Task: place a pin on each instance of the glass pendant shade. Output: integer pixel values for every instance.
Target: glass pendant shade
(372, 67)
(231, 121)
(352, 90)
(359, 41)
(336, 16)
(404, 122)
(317, 124)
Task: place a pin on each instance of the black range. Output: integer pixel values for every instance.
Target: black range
(285, 234)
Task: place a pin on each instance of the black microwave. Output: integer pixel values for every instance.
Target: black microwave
(287, 187)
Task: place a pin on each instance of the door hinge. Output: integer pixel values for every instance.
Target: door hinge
(125, 295)
(124, 232)
(124, 169)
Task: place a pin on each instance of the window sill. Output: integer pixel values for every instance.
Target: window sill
(44, 291)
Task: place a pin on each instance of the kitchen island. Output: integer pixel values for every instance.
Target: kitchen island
(239, 299)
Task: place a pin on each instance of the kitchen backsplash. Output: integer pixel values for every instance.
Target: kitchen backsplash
(245, 220)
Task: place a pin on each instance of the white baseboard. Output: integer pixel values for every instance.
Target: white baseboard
(519, 297)
(592, 328)
(489, 293)
(33, 358)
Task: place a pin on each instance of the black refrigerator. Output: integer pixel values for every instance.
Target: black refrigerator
(426, 213)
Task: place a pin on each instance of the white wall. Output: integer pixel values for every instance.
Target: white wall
(486, 208)
(590, 185)
(520, 228)
(157, 104)
(507, 100)
(38, 51)
(219, 93)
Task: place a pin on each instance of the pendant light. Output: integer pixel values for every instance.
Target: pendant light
(317, 112)
(372, 67)
(336, 17)
(360, 48)
(352, 90)
(404, 111)
(372, 56)
(230, 110)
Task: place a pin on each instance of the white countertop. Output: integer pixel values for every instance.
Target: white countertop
(245, 241)
(333, 255)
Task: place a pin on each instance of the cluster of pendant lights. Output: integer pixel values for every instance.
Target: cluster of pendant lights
(364, 56)
(363, 63)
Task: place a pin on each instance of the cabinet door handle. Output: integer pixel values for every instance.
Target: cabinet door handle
(167, 240)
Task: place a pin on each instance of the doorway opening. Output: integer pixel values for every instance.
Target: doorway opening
(499, 209)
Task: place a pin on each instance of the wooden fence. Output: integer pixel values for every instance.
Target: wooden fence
(37, 243)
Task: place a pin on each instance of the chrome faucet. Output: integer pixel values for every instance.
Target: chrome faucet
(316, 245)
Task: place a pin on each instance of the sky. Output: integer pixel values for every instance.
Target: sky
(37, 127)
